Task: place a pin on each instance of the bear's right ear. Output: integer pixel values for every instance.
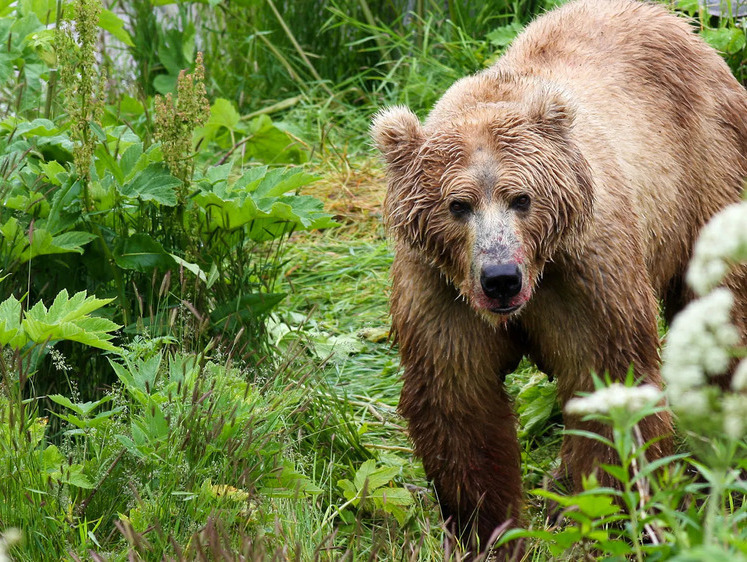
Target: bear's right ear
(551, 109)
(397, 133)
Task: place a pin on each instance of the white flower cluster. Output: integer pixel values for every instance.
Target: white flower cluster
(739, 380)
(699, 342)
(722, 241)
(8, 539)
(735, 415)
(614, 397)
(702, 342)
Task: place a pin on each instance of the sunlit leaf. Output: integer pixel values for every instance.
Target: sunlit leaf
(111, 22)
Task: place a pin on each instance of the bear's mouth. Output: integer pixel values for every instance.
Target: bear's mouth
(504, 310)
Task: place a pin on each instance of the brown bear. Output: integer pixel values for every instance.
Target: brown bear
(540, 211)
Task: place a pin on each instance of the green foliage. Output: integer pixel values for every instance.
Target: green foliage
(173, 428)
(537, 402)
(113, 211)
(674, 508)
(67, 319)
(727, 34)
(372, 489)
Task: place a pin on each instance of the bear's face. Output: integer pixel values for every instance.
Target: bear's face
(487, 195)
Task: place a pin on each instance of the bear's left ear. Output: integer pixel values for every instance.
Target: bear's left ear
(551, 109)
(397, 133)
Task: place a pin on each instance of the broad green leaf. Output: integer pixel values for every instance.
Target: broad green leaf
(66, 402)
(256, 199)
(394, 496)
(221, 125)
(97, 131)
(223, 114)
(223, 213)
(130, 105)
(158, 427)
(393, 501)
(251, 178)
(14, 238)
(132, 386)
(42, 43)
(65, 209)
(51, 458)
(37, 128)
(81, 408)
(271, 145)
(595, 505)
(20, 30)
(728, 40)
(73, 475)
(618, 472)
(154, 183)
(72, 241)
(111, 22)
(66, 309)
(139, 376)
(165, 83)
(7, 67)
(363, 473)
(142, 253)
(98, 421)
(217, 174)
(371, 477)
(11, 332)
(280, 181)
(68, 319)
(40, 244)
(45, 10)
(43, 243)
(130, 158)
(278, 216)
(52, 171)
(348, 489)
(536, 402)
(617, 548)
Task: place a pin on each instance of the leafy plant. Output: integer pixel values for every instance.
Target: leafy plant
(371, 490)
(67, 319)
(114, 211)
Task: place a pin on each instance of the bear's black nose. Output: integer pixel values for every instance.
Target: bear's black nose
(501, 281)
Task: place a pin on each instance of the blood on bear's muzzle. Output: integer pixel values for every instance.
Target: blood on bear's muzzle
(501, 282)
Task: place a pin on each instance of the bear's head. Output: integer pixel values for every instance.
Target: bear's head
(487, 191)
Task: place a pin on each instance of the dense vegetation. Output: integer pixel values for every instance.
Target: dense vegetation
(194, 358)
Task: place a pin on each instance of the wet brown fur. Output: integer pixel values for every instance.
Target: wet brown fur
(629, 133)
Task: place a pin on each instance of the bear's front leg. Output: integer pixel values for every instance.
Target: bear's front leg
(460, 418)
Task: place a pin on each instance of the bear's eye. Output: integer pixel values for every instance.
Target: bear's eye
(521, 203)
(460, 208)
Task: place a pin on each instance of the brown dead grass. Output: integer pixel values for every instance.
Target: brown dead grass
(354, 195)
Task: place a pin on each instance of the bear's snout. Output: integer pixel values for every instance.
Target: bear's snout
(501, 281)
